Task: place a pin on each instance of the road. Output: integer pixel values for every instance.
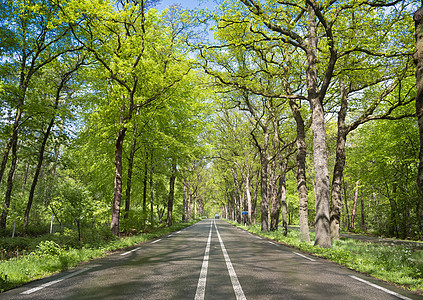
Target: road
(209, 260)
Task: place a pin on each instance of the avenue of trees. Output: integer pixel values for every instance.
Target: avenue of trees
(318, 117)
(296, 112)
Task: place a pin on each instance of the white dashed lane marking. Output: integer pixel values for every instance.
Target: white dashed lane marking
(33, 290)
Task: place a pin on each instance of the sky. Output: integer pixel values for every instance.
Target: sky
(187, 4)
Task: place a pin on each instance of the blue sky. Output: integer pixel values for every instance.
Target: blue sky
(187, 4)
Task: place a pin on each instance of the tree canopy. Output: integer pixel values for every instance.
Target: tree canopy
(117, 115)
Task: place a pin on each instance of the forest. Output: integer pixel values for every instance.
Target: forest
(115, 115)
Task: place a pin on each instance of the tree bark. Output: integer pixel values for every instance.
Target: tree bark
(145, 179)
(301, 173)
(282, 194)
(6, 151)
(184, 200)
(418, 60)
(171, 195)
(322, 223)
(254, 204)
(274, 196)
(13, 142)
(237, 193)
(346, 206)
(188, 217)
(151, 190)
(130, 170)
(264, 206)
(336, 198)
(117, 194)
(248, 195)
(9, 188)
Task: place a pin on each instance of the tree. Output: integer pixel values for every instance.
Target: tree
(418, 60)
(141, 57)
(38, 37)
(63, 80)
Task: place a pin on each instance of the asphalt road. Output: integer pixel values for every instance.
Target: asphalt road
(210, 260)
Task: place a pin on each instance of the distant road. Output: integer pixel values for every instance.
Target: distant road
(209, 260)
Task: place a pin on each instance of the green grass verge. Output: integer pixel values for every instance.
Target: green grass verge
(399, 265)
(51, 256)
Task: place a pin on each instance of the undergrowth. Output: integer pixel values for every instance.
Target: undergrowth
(40, 257)
(400, 265)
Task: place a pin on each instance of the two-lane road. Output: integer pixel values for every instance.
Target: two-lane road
(210, 260)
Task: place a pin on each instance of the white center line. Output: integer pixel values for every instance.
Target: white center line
(303, 256)
(201, 286)
(133, 250)
(239, 293)
(380, 288)
(156, 241)
(33, 290)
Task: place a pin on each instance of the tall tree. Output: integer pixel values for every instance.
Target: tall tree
(38, 37)
(142, 61)
(418, 60)
(171, 198)
(63, 80)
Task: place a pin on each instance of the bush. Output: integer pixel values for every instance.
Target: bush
(48, 248)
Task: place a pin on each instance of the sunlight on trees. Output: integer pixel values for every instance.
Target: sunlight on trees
(118, 116)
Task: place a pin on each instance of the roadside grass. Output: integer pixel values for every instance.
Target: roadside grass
(399, 265)
(59, 252)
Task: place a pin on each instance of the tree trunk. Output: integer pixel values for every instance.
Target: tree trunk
(171, 195)
(264, 206)
(275, 203)
(9, 188)
(418, 60)
(336, 199)
(248, 196)
(301, 173)
(184, 200)
(188, 217)
(117, 194)
(322, 223)
(64, 79)
(237, 192)
(6, 151)
(23, 86)
(354, 205)
(130, 169)
(38, 170)
(282, 194)
(255, 198)
(151, 190)
(232, 207)
(346, 206)
(145, 179)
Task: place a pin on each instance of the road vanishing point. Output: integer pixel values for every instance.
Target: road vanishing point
(209, 260)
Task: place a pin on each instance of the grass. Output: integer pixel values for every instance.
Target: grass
(399, 265)
(43, 256)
